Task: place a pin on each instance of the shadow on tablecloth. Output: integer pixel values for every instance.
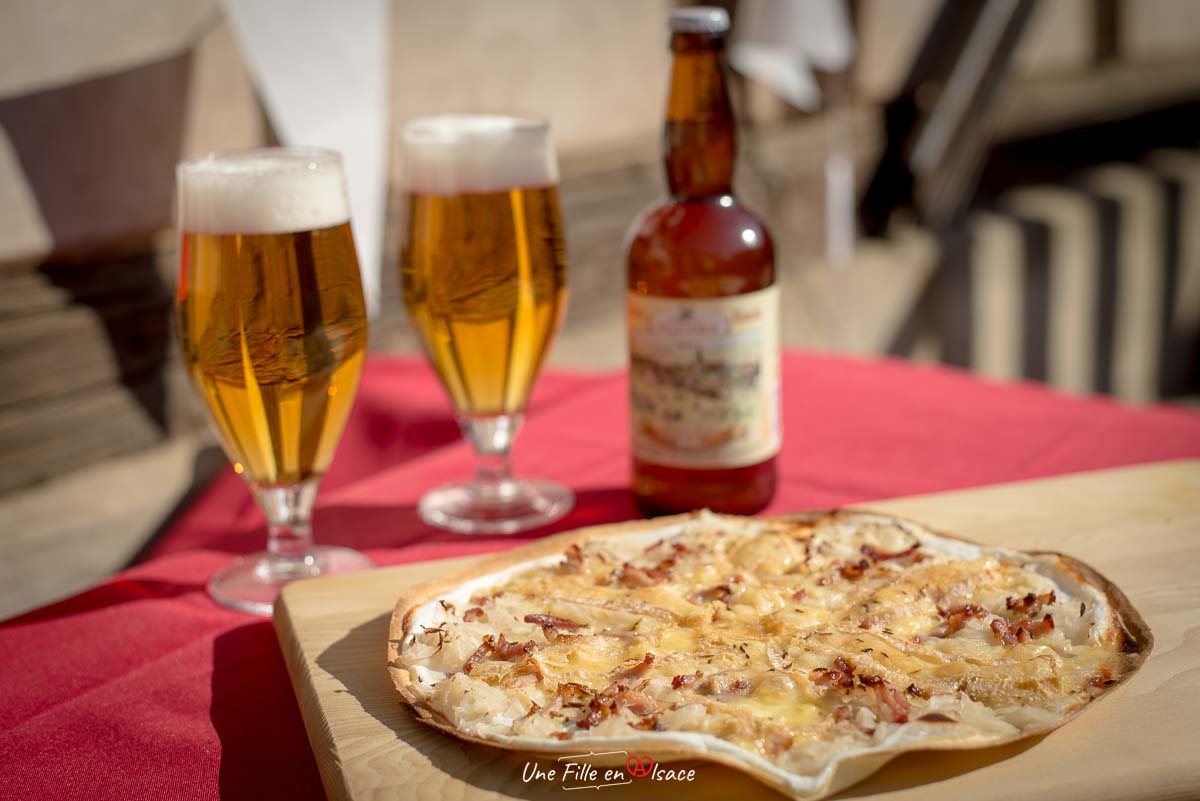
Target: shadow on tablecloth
(264, 750)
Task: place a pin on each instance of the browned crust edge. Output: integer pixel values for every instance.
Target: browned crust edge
(1136, 640)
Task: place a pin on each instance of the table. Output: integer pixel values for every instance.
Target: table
(143, 688)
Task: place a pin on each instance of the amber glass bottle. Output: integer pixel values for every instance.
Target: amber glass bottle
(703, 306)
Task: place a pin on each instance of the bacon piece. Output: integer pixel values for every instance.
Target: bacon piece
(956, 619)
(601, 706)
(799, 595)
(1039, 627)
(574, 694)
(841, 675)
(685, 680)
(534, 708)
(721, 592)
(1009, 635)
(510, 650)
(1018, 631)
(917, 691)
(999, 628)
(1031, 602)
(486, 647)
(472, 614)
(680, 548)
(554, 635)
(876, 555)
(855, 571)
(640, 669)
(554, 621)
(498, 649)
(612, 691)
(633, 576)
(892, 702)
(573, 559)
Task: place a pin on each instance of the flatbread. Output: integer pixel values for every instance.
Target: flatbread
(805, 651)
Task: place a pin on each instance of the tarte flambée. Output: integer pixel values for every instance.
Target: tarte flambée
(805, 651)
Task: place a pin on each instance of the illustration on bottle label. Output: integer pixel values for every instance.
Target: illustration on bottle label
(704, 379)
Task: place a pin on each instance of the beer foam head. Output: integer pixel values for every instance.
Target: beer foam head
(453, 154)
(265, 191)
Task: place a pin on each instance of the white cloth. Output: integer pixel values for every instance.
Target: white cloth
(780, 42)
(321, 68)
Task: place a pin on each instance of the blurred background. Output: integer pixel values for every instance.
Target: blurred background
(1010, 187)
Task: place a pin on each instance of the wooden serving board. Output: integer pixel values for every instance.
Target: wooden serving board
(1139, 526)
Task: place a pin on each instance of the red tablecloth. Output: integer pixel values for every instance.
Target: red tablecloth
(143, 688)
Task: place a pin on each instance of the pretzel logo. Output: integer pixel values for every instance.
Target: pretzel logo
(639, 766)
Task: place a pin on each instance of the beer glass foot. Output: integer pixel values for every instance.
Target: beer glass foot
(250, 583)
(503, 508)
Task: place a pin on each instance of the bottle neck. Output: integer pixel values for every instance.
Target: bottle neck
(699, 138)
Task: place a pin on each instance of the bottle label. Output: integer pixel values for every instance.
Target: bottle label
(704, 379)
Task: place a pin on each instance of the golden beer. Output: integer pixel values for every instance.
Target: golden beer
(484, 280)
(270, 307)
(274, 333)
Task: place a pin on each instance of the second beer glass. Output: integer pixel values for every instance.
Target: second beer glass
(483, 271)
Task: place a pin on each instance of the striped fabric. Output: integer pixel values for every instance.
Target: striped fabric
(1089, 286)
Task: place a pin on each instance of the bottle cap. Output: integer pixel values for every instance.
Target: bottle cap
(699, 19)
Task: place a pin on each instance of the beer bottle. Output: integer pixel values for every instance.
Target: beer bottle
(703, 305)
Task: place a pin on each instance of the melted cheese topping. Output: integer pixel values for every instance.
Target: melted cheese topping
(788, 640)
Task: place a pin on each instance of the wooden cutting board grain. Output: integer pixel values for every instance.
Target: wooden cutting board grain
(1139, 526)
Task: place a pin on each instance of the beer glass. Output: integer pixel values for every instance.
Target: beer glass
(483, 271)
(273, 330)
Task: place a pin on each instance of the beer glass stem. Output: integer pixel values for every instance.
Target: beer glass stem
(290, 549)
(491, 437)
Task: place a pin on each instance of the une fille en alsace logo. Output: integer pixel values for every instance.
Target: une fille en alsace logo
(597, 769)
